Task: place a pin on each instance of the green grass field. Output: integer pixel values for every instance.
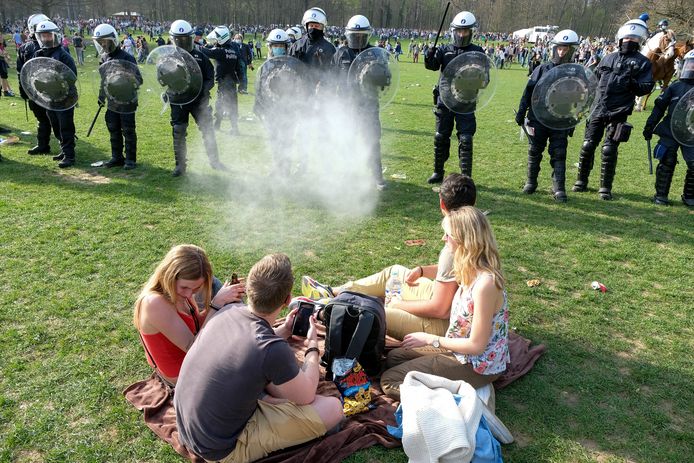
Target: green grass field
(76, 245)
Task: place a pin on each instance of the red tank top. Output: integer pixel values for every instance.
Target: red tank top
(167, 355)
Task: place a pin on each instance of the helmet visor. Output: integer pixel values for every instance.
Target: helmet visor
(461, 36)
(183, 41)
(357, 40)
(48, 39)
(105, 45)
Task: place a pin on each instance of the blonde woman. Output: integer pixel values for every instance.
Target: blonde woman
(167, 315)
(475, 347)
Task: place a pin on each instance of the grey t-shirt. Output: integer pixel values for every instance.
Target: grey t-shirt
(222, 376)
(445, 272)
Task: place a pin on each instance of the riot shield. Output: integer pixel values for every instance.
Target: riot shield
(50, 84)
(119, 84)
(280, 82)
(564, 96)
(468, 82)
(375, 74)
(682, 120)
(178, 72)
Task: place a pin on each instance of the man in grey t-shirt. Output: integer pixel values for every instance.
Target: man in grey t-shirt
(240, 393)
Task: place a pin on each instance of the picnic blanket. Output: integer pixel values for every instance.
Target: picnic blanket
(358, 432)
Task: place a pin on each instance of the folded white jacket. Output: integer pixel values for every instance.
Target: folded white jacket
(435, 429)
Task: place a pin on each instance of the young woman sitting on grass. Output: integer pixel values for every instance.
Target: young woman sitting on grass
(167, 315)
(475, 347)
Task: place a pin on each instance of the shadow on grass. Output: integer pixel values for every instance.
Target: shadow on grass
(610, 403)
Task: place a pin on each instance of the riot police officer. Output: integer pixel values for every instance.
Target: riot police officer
(121, 125)
(24, 54)
(666, 149)
(564, 46)
(181, 33)
(312, 48)
(63, 122)
(622, 76)
(228, 73)
(437, 58)
(357, 34)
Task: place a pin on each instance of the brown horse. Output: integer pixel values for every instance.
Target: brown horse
(662, 60)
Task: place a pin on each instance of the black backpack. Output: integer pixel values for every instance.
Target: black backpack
(355, 327)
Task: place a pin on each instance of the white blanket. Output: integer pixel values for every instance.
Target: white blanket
(435, 429)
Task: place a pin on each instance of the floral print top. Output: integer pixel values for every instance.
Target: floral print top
(495, 357)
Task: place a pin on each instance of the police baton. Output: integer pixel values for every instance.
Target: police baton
(443, 20)
(26, 110)
(650, 157)
(96, 116)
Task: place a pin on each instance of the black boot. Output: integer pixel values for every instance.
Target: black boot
(115, 161)
(585, 165)
(67, 161)
(38, 149)
(58, 157)
(608, 167)
(465, 154)
(559, 181)
(534, 160)
(663, 180)
(442, 147)
(688, 193)
(180, 149)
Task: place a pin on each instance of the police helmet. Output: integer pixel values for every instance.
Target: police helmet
(34, 20)
(221, 34)
(635, 29)
(182, 34)
(48, 34)
(688, 66)
(294, 33)
(314, 15)
(358, 32)
(105, 38)
(462, 28)
(277, 37)
(568, 38)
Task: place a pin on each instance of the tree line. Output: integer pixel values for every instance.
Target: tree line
(587, 17)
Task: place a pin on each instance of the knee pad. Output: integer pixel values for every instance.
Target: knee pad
(609, 152)
(589, 145)
(465, 141)
(441, 138)
(180, 130)
(557, 154)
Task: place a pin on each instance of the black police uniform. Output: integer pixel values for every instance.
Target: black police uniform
(121, 126)
(316, 53)
(246, 54)
(558, 140)
(666, 149)
(466, 124)
(369, 121)
(63, 122)
(202, 113)
(43, 131)
(622, 76)
(228, 72)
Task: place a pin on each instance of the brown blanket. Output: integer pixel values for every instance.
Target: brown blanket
(357, 432)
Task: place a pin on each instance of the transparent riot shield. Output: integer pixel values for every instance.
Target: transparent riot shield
(177, 72)
(49, 83)
(564, 96)
(119, 85)
(375, 74)
(468, 82)
(682, 120)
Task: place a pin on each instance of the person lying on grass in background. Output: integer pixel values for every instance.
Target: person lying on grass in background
(427, 291)
(241, 393)
(166, 314)
(475, 346)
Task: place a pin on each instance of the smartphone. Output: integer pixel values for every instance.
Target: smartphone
(302, 319)
(234, 279)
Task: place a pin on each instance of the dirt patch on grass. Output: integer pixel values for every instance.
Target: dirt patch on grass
(30, 456)
(521, 440)
(84, 178)
(569, 398)
(609, 239)
(599, 455)
(677, 417)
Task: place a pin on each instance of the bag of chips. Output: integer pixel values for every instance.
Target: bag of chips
(353, 383)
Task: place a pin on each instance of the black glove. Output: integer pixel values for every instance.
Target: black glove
(648, 132)
(431, 52)
(520, 118)
(164, 97)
